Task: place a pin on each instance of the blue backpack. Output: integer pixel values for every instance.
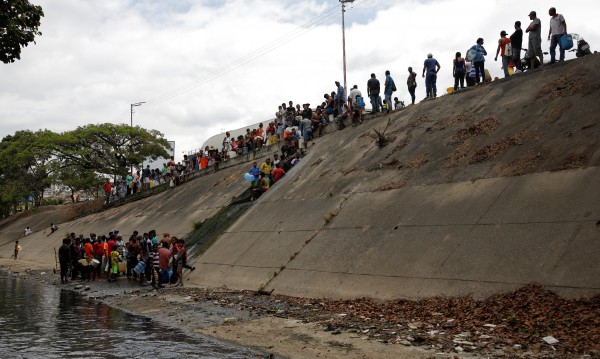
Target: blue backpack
(360, 102)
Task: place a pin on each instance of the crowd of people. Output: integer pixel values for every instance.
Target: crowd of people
(143, 258)
(270, 172)
(295, 125)
(472, 67)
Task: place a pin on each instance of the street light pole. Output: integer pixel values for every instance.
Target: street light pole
(132, 106)
(131, 123)
(344, 40)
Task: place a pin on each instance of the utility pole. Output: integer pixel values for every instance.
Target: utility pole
(132, 106)
(131, 124)
(344, 40)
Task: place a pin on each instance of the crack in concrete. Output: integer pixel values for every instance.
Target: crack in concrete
(473, 226)
(565, 247)
(486, 224)
(306, 243)
(401, 276)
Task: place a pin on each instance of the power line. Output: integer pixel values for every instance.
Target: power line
(265, 49)
(271, 46)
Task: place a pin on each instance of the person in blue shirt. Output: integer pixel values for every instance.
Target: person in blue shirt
(479, 60)
(341, 96)
(432, 66)
(254, 170)
(390, 87)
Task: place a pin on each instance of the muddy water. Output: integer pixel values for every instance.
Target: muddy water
(40, 321)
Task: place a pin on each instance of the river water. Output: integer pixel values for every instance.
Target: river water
(41, 321)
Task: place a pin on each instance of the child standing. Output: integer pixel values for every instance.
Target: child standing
(114, 263)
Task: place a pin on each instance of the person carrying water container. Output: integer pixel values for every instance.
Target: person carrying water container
(558, 28)
(17, 249)
(476, 54)
(432, 67)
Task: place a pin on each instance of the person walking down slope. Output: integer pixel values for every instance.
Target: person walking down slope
(479, 60)
(459, 70)
(558, 27)
(373, 88)
(17, 249)
(505, 51)
(431, 66)
(390, 87)
(535, 39)
(411, 83)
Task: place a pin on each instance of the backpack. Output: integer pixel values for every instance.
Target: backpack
(360, 102)
(394, 86)
(507, 49)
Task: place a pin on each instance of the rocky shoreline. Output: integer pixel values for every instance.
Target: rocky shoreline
(525, 323)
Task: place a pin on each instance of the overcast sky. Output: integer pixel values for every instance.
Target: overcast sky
(206, 66)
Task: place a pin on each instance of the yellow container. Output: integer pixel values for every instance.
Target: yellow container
(511, 71)
(450, 90)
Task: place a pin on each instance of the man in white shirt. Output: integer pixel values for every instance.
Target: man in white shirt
(354, 94)
(558, 27)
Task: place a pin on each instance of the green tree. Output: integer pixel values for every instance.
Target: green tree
(19, 23)
(108, 148)
(31, 161)
(76, 179)
(25, 168)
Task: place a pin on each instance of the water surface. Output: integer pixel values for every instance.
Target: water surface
(41, 321)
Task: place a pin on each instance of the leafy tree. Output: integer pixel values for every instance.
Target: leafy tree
(19, 23)
(108, 148)
(76, 179)
(31, 161)
(25, 168)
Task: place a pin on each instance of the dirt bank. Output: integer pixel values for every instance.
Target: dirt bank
(500, 326)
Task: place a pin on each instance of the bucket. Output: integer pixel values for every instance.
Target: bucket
(488, 77)
(450, 90)
(140, 268)
(122, 267)
(95, 263)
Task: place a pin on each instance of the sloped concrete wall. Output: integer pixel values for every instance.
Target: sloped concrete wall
(449, 239)
(476, 192)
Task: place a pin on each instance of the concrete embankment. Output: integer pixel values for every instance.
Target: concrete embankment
(477, 192)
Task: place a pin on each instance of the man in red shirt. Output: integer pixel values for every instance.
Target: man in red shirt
(278, 173)
(88, 250)
(110, 244)
(98, 253)
(164, 257)
(107, 190)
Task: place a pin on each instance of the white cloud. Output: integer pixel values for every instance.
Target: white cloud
(96, 58)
